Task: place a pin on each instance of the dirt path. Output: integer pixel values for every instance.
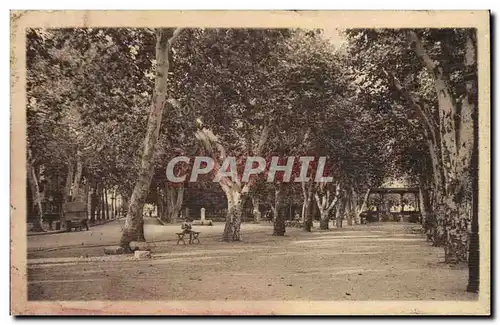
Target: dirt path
(384, 261)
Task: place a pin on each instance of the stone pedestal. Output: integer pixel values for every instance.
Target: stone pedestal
(140, 255)
(202, 221)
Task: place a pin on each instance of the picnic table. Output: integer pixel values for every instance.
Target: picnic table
(193, 237)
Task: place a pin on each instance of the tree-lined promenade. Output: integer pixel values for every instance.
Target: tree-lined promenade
(108, 109)
(379, 261)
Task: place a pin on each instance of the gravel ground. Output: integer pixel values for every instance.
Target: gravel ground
(380, 261)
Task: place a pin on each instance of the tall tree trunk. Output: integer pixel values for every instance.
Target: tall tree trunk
(124, 205)
(355, 202)
(325, 206)
(159, 202)
(324, 214)
(363, 205)
(279, 218)
(69, 180)
(426, 210)
(256, 210)
(89, 199)
(115, 195)
(307, 205)
(339, 213)
(113, 203)
(236, 192)
(106, 203)
(98, 202)
(134, 223)
(324, 222)
(235, 202)
(461, 194)
(180, 199)
(103, 203)
(456, 125)
(78, 176)
(67, 189)
(35, 191)
(170, 216)
(85, 195)
(94, 203)
(473, 283)
(174, 199)
(349, 209)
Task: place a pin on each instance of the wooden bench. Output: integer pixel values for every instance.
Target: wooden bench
(75, 215)
(193, 237)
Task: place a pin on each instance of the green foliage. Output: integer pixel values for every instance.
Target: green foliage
(89, 91)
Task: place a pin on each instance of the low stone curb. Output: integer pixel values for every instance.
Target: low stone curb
(50, 232)
(141, 246)
(113, 250)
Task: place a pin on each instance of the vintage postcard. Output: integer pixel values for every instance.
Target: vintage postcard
(250, 163)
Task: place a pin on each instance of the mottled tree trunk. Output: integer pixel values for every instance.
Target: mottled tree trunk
(175, 198)
(307, 206)
(279, 228)
(76, 181)
(98, 203)
(235, 202)
(37, 199)
(89, 199)
(113, 204)
(256, 210)
(103, 203)
(69, 180)
(236, 192)
(339, 213)
(349, 209)
(456, 137)
(362, 208)
(160, 204)
(324, 218)
(106, 203)
(125, 205)
(117, 208)
(67, 197)
(94, 203)
(134, 223)
(425, 206)
(474, 256)
(324, 223)
(325, 206)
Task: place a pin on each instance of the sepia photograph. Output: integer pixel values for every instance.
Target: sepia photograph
(256, 163)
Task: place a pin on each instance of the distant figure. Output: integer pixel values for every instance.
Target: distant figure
(269, 216)
(150, 213)
(187, 228)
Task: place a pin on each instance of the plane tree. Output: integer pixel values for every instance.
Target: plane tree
(433, 75)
